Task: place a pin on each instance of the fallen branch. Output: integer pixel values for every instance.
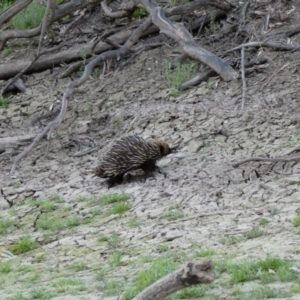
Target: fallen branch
(180, 34)
(63, 10)
(269, 43)
(68, 94)
(197, 79)
(193, 273)
(267, 159)
(15, 141)
(13, 10)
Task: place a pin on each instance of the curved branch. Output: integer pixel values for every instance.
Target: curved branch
(198, 272)
(13, 10)
(180, 34)
(62, 11)
(68, 94)
(112, 15)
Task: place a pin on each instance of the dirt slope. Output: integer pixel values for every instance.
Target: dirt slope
(202, 207)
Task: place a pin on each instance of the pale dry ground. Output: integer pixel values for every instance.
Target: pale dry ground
(220, 204)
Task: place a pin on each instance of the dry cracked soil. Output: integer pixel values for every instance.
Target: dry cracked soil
(67, 236)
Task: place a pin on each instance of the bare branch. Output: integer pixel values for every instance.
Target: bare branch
(68, 94)
(193, 273)
(179, 33)
(13, 10)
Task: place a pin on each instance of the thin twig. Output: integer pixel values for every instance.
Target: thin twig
(243, 77)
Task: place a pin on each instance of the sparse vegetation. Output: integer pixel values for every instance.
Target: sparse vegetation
(263, 222)
(176, 74)
(5, 267)
(296, 220)
(158, 269)
(173, 214)
(56, 223)
(115, 259)
(266, 270)
(22, 245)
(206, 253)
(5, 224)
(255, 232)
(118, 208)
(3, 102)
(29, 17)
(140, 13)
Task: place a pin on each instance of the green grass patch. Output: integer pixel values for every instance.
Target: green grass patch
(263, 222)
(163, 248)
(47, 206)
(79, 266)
(134, 223)
(254, 233)
(41, 293)
(112, 288)
(113, 241)
(118, 208)
(5, 267)
(173, 214)
(176, 74)
(23, 245)
(296, 220)
(54, 223)
(140, 13)
(4, 4)
(113, 198)
(68, 285)
(115, 259)
(5, 224)
(30, 17)
(194, 292)
(260, 293)
(206, 253)
(267, 270)
(157, 270)
(17, 297)
(4, 102)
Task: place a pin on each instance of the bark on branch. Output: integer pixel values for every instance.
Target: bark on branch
(68, 94)
(198, 272)
(180, 34)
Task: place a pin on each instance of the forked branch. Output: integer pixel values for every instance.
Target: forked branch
(68, 94)
(180, 34)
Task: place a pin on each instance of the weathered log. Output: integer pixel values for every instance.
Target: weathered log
(181, 35)
(15, 141)
(193, 273)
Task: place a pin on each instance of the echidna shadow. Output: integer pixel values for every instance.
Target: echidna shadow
(131, 153)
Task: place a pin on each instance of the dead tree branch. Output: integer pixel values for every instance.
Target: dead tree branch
(63, 10)
(193, 273)
(13, 10)
(180, 34)
(110, 14)
(48, 17)
(68, 94)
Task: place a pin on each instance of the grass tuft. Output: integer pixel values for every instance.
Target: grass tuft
(22, 245)
(30, 17)
(176, 74)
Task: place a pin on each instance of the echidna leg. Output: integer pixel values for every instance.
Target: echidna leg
(149, 166)
(111, 181)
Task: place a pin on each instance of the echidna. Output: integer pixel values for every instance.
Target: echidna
(130, 153)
